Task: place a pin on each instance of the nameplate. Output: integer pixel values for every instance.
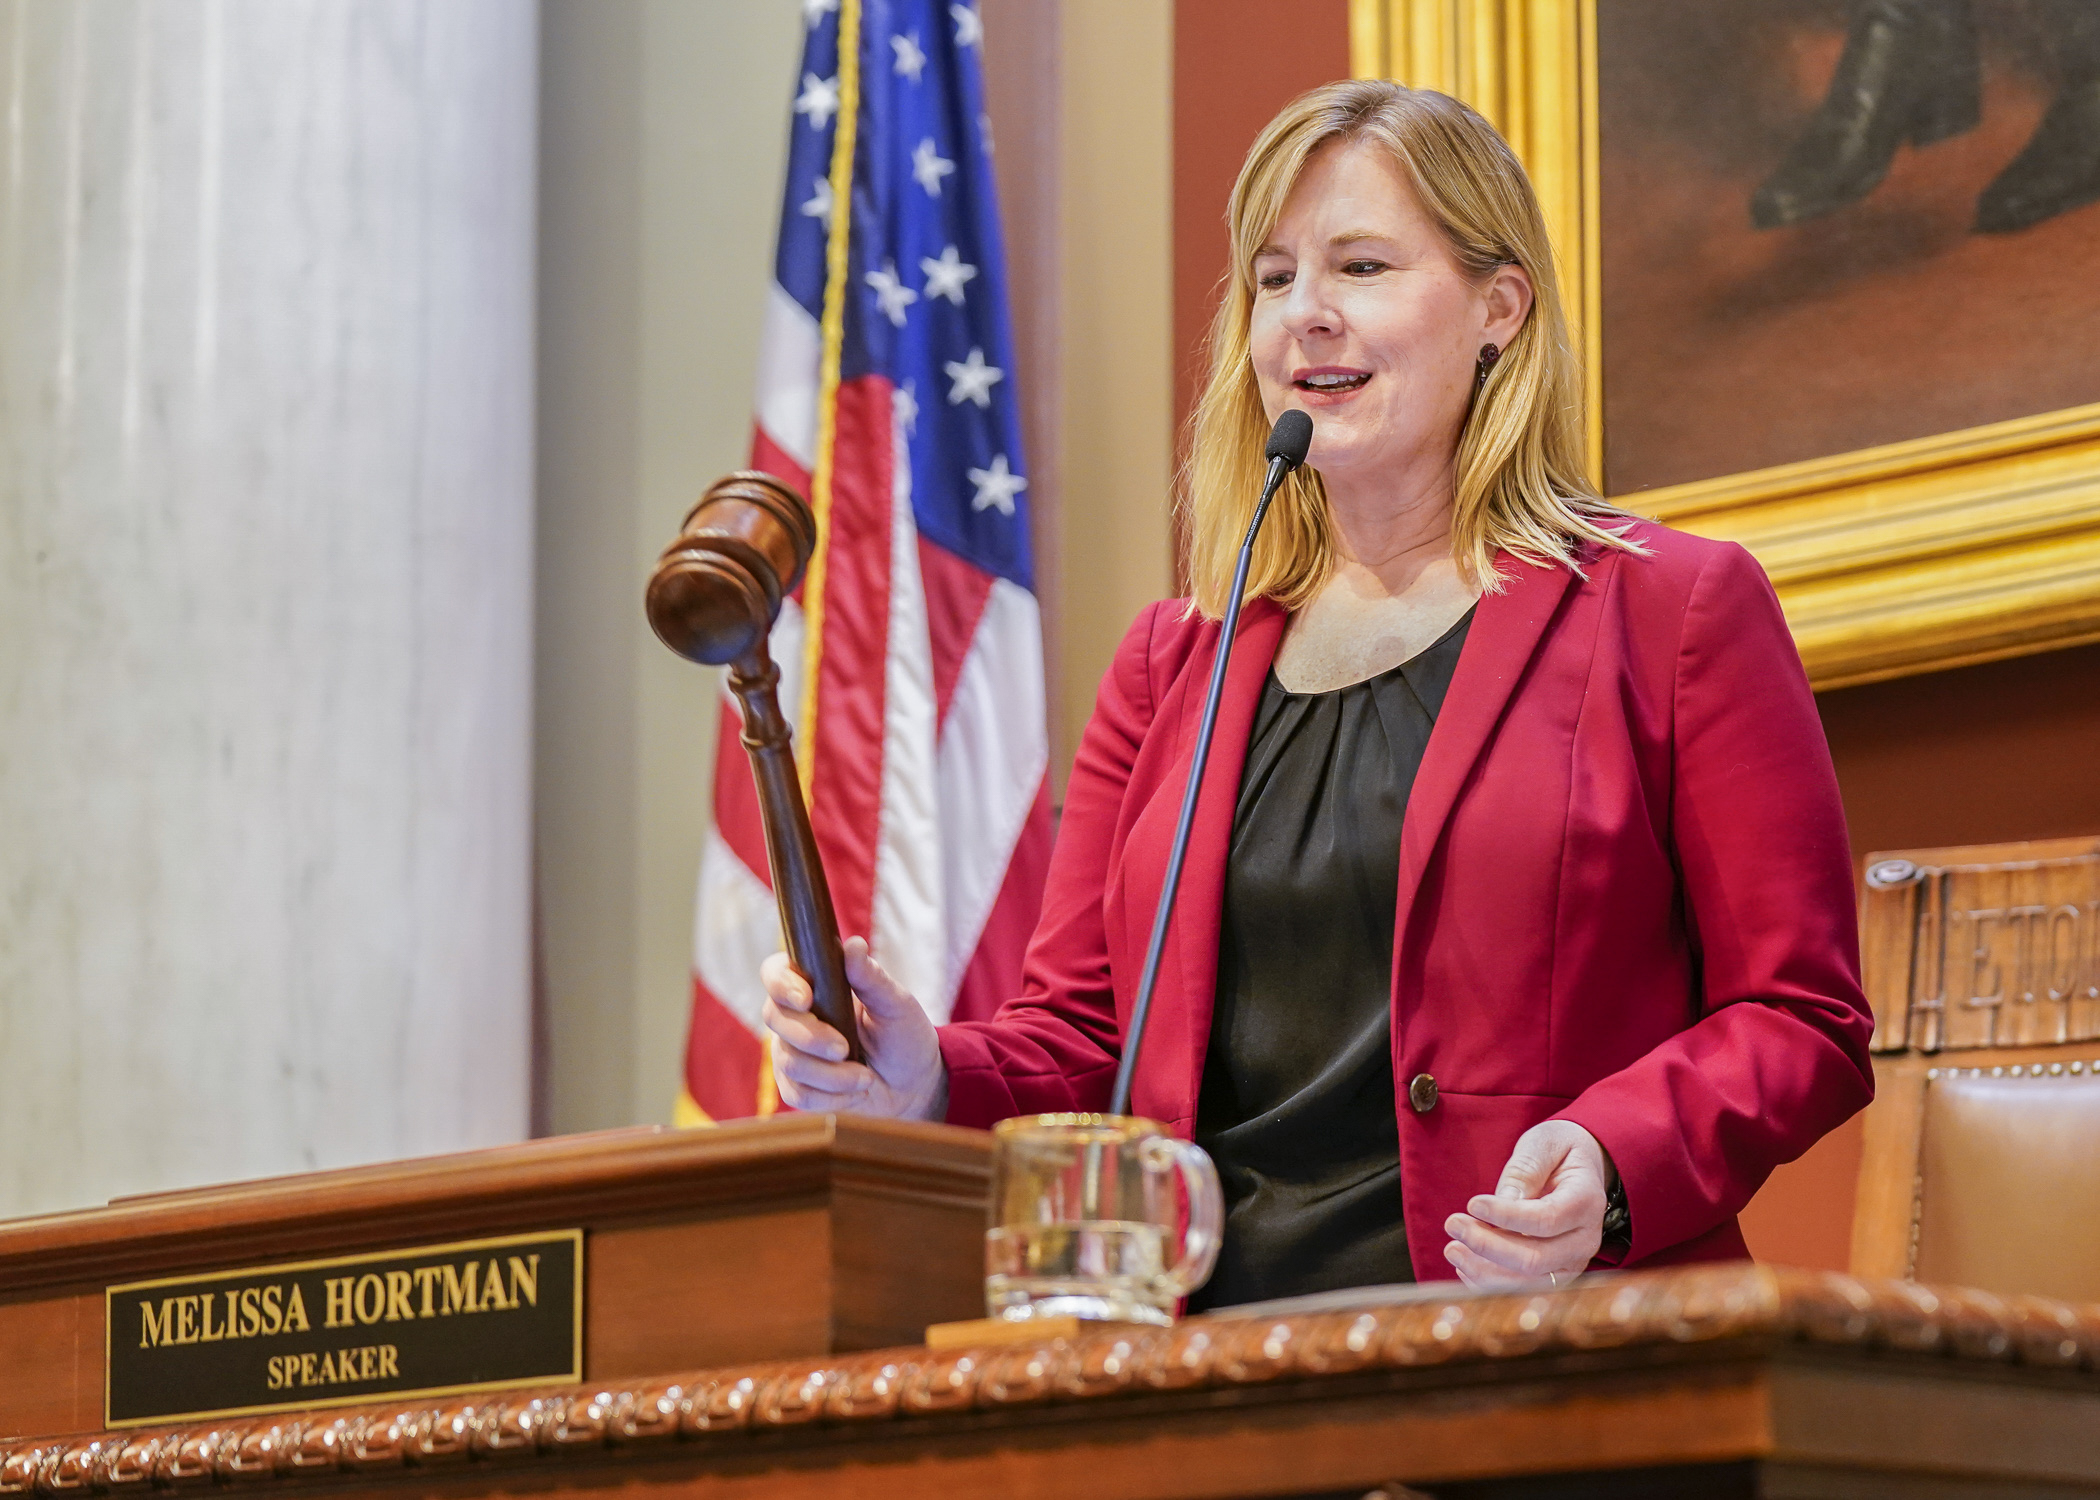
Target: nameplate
(475, 1315)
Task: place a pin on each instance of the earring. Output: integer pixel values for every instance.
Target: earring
(1488, 355)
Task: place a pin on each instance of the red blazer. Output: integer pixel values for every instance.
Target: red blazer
(1625, 896)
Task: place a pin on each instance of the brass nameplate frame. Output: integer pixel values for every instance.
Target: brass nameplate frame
(471, 1315)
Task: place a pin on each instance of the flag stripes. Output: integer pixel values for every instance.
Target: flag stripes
(911, 661)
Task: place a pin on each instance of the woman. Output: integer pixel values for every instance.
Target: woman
(1555, 985)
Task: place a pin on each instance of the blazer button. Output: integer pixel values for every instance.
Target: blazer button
(1421, 1093)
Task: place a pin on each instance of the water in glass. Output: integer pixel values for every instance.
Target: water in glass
(1111, 1269)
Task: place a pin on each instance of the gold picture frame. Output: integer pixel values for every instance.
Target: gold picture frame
(1917, 556)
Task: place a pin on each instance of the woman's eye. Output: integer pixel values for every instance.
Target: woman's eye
(1364, 267)
(1274, 281)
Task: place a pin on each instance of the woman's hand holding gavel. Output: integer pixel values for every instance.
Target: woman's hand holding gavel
(903, 1077)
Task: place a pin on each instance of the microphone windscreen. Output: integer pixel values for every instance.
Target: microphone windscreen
(1290, 439)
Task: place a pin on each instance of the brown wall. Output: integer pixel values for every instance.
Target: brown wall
(2007, 750)
(1236, 63)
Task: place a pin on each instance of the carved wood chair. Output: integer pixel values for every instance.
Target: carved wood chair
(1981, 1162)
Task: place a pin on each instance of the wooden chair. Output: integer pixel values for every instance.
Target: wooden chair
(1981, 1160)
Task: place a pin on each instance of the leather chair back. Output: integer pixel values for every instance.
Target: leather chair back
(2007, 1196)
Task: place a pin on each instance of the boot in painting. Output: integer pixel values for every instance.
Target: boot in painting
(2060, 167)
(1909, 73)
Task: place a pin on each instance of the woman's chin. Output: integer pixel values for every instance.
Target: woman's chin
(1339, 457)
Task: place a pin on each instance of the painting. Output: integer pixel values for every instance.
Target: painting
(1829, 225)
(1832, 265)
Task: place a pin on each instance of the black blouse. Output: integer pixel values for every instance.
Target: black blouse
(1297, 1107)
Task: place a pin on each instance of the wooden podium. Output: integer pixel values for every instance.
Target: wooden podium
(753, 1303)
(799, 1235)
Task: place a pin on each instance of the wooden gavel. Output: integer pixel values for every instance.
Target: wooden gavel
(713, 599)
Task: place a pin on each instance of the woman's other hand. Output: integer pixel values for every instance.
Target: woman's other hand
(1546, 1216)
(903, 1078)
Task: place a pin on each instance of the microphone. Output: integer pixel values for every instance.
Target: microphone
(1289, 441)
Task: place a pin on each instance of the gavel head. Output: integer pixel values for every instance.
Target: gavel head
(717, 588)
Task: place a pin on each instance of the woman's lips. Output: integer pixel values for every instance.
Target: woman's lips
(1332, 386)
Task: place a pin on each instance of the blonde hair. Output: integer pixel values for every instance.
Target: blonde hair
(1520, 484)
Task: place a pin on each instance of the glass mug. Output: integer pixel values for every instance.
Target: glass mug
(1084, 1212)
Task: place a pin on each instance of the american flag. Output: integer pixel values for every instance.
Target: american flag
(911, 658)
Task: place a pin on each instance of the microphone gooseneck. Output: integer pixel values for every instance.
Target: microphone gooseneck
(1289, 441)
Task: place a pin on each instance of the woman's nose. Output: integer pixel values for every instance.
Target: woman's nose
(1310, 308)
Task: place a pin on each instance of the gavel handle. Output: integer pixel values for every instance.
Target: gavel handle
(791, 848)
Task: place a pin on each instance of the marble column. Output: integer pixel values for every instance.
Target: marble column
(266, 376)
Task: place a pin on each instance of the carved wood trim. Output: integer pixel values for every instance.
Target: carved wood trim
(1881, 1213)
(1983, 946)
(1625, 1316)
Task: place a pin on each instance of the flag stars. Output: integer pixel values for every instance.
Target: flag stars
(819, 100)
(891, 295)
(996, 487)
(945, 277)
(911, 59)
(969, 26)
(972, 379)
(814, 11)
(928, 166)
(820, 201)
